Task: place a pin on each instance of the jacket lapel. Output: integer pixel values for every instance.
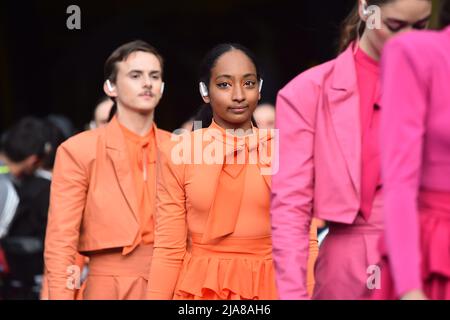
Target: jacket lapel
(343, 98)
(117, 151)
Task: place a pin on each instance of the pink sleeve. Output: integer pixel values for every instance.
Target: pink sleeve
(292, 190)
(403, 128)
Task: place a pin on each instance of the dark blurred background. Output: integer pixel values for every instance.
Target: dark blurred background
(46, 68)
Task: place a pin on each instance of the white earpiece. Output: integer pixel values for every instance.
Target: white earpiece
(203, 89)
(260, 84)
(365, 9)
(162, 88)
(108, 84)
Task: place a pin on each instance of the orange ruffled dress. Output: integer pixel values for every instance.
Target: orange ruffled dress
(212, 227)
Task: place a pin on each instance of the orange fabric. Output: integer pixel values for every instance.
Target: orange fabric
(221, 271)
(113, 276)
(185, 195)
(80, 261)
(93, 201)
(142, 155)
(320, 223)
(313, 254)
(223, 215)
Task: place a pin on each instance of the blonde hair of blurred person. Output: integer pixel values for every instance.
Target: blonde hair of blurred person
(101, 113)
(265, 116)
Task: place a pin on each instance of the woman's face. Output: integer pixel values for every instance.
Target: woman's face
(233, 90)
(398, 16)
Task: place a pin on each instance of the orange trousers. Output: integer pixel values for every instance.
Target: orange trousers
(113, 276)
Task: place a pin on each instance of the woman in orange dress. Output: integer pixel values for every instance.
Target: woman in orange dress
(212, 224)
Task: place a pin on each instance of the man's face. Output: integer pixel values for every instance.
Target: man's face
(138, 83)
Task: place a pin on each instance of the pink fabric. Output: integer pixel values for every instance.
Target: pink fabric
(368, 75)
(352, 248)
(434, 217)
(319, 164)
(416, 141)
(342, 268)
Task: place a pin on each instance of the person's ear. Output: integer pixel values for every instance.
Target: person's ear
(363, 10)
(206, 99)
(109, 89)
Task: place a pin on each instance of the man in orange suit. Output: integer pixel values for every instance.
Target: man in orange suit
(103, 190)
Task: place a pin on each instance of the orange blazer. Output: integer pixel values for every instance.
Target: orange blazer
(93, 201)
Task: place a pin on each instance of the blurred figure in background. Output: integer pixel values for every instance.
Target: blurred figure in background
(187, 125)
(59, 129)
(63, 123)
(25, 148)
(55, 136)
(9, 200)
(101, 113)
(264, 116)
(3, 168)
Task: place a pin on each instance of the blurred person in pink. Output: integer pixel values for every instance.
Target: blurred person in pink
(328, 121)
(416, 166)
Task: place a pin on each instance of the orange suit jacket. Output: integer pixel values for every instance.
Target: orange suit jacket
(93, 202)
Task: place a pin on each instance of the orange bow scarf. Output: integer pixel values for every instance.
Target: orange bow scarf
(239, 153)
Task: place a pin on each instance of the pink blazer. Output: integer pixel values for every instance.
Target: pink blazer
(416, 149)
(319, 163)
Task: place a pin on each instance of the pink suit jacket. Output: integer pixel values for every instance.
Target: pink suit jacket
(416, 151)
(319, 175)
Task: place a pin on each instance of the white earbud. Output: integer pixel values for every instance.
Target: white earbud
(203, 89)
(365, 9)
(108, 84)
(162, 88)
(260, 84)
